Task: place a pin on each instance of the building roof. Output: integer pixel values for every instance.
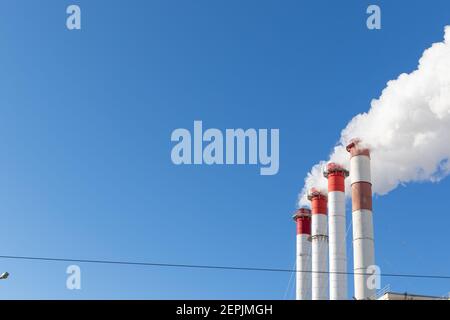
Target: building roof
(409, 296)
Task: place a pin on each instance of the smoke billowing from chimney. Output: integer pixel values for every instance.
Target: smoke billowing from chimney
(407, 128)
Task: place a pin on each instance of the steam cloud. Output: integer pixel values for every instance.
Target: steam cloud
(407, 128)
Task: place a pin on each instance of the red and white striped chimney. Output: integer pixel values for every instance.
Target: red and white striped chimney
(303, 276)
(336, 175)
(319, 238)
(363, 241)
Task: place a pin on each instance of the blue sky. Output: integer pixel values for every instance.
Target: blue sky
(85, 124)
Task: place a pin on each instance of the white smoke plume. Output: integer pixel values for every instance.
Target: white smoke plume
(407, 128)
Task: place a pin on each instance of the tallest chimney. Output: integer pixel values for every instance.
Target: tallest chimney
(363, 243)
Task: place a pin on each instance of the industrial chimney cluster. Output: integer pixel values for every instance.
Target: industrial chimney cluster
(321, 233)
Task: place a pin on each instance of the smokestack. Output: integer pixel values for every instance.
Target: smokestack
(337, 231)
(319, 238)
(303, 276)
(363, 243)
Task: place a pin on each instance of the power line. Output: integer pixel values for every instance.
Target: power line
(197, 266)
(290, 280)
